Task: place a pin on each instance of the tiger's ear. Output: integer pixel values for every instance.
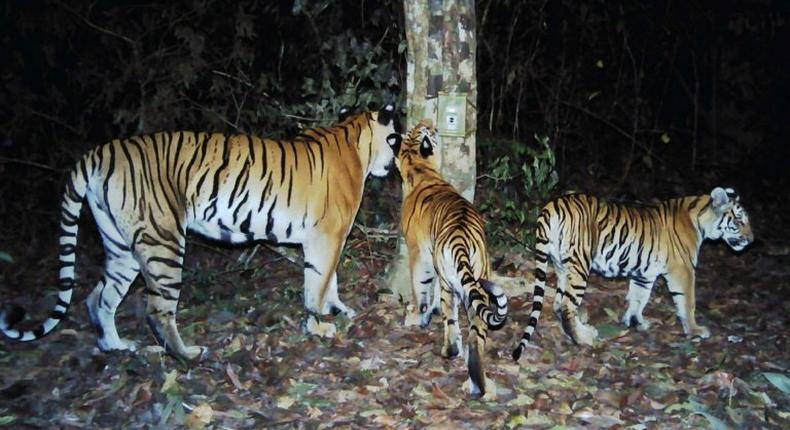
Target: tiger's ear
(388, 114)
(344, 113)
(426, 148)
(394, 140)
(733, 195)
(720, 199)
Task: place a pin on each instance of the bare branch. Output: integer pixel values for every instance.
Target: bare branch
(96, 27)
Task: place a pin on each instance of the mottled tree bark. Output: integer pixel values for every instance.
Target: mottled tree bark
(440, 59)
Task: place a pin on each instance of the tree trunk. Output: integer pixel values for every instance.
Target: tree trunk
(440, 59)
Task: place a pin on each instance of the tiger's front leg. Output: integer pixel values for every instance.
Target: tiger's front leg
(321, 255)
(680, 283)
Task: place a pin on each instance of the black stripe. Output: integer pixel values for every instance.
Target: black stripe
(309, 266)
(241, 204)
(290, 188)
(282, 161)
(66, 249)
(270, 218)
(165, 261)
(225, 161)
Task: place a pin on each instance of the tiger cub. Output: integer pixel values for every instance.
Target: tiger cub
(146, 192)
(580, 233)
(447, 249)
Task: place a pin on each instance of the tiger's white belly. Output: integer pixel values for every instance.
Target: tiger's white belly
(223, 230)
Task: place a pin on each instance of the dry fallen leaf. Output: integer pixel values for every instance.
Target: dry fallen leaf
(170, 384)
(285, 402)
(438, 393)
(234, 379)
(143, 394)
(313, 413)
(200, 417)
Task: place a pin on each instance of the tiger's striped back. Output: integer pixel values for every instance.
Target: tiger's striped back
(579, 233)
(147, 191)
(447, 248)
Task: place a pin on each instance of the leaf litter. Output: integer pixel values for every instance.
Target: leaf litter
(261, 371)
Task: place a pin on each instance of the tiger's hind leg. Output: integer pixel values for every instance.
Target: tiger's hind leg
(424, 284)
(579, 332)
(479, 384)
(120, 270)
(162, 263)
(639, 290)
(422, 276)
(452, 344)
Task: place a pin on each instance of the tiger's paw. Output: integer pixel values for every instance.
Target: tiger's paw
(311, 326)
(338, 307)
(699, 331)
(475, 392)
(195, 353)
(413, 317)
(427, 315)
(118, 345)
(636, 322)
(451, 349)
(585, 334)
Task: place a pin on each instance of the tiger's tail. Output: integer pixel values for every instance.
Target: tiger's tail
(494, 312)
(11, 314)
(495, 315)
(541, 265)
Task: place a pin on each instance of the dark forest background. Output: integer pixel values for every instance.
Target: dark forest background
(634, 99)
(629, 99)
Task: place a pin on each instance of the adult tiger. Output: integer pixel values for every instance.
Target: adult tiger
(580, 233)
(146, 192)
(447, 249)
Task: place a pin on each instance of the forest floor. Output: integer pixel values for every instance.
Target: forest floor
(262, 372)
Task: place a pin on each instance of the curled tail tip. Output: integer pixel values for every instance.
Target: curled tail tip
(517, 352)
(497, 304)
(496, 322)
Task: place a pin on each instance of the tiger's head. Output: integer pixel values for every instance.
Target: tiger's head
(382, 124)
(731, 222)
(417, 150)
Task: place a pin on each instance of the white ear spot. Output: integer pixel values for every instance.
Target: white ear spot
(720, 199)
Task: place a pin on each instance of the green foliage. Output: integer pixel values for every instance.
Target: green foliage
(523, 179)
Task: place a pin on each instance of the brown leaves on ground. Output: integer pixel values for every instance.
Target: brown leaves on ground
(261, 371)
